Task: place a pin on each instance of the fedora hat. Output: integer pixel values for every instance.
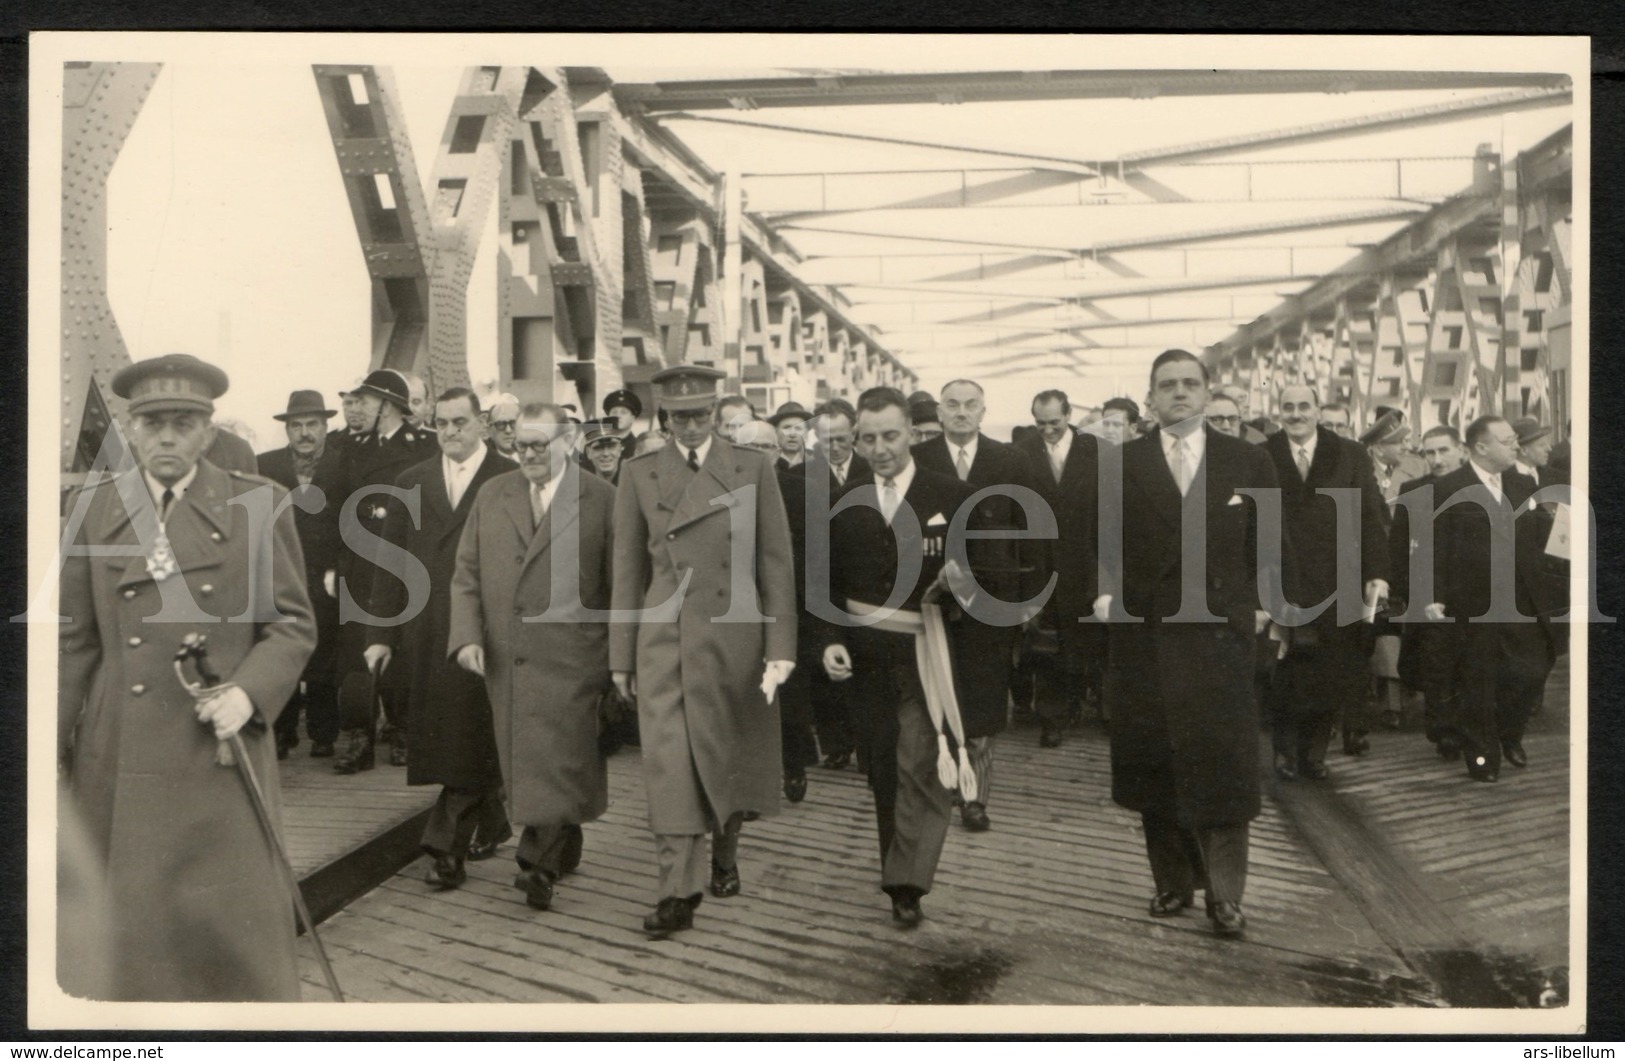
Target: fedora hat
(305, 403)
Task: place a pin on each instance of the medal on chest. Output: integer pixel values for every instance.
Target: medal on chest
(161, 560)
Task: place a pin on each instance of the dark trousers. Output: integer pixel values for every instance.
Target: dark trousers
(1424, 660)
(900, 747)
(553, 849)
(459, 814)
(832, 713)
(319, 703)
(798, 748)
(1054, 683)
(1311, 684)
(1499, 677)
(1182, 860)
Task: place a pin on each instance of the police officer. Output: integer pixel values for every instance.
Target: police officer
(178, 875)
(622, 408)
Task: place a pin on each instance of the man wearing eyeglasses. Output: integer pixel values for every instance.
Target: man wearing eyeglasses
(1224, 417)
(702, 548)
(504, 419)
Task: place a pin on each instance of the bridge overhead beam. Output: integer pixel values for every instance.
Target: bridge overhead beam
(835, 90)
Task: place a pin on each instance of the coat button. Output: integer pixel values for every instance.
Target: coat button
(129, 593)
(672, 536)
(217, 536)
(135, 642)
(722, 593)
(206, 589)
(137, 689)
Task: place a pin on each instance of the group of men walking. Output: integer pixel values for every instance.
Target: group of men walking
(505, 597)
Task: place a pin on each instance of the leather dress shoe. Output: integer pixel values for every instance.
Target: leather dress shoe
(1314, 771)
(1171, 904)
(1228, 920)
(1479, 768)
(1355, 743)
(1449, 747)
(537, 886)
(975, 817)
(795, 788)
(321, 749)
(358, 754)
(1050, 737)
(837, 760)
(447, 872)
(1513, 751)
(724, 881)
(1285, 768)
(671, 915)
(905, 909)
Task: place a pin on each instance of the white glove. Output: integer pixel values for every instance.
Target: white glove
(1434, 611)
(1103, 606)
(330, 582)
(471, 657)
(776, 674)
(626, 683)
(837, 664)
(377, 657)
(227, 708)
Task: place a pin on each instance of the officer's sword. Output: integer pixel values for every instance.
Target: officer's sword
(194, 647)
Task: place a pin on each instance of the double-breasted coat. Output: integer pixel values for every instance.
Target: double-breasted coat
(448, 715)
(1011, 569)
(183, 878)
(1184, 718)
(708, 736)
(544, 678)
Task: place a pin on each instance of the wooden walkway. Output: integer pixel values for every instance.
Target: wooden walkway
(1047, 907)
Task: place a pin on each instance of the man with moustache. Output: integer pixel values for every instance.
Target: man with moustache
(1066, 467)
(1324, 669)
(532, 582)
(892, 526)
(1420, 655)
(705, 669)
(603, 450)
(1500, 650)
(1014, 570)
(448, 714)
(388, 447)
(1179, 680)
(308, 467)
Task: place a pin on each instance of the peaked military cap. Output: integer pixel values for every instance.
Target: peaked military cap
(687, 386)
(171, 382)
(1388, 428)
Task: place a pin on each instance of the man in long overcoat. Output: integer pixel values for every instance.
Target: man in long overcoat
(1179, 677)
(181, 875)
(704, 515)
(1014, 571)
(1325, 666)
(448, 715)
(532, 570)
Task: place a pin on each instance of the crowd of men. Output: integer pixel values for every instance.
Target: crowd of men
(501, 594)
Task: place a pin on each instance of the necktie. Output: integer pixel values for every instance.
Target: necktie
(1055, 465)
(1495, 487)
(454, 485)
(694, 460)
(1182, 471)
(962, 466)
(888, 499)
(1303, 463)
(840, 473)
(164, 504)
(538, 506)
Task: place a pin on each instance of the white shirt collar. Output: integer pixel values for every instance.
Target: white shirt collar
(452, 467)
(1308, 446)
(1063, 447)
(902, 480)
(969, 448)
(548, 489)
(1488, 478)
(179, 489)
(700, 451)
(1526, 469)
(1195, 439)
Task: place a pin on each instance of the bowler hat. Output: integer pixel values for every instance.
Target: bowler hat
(305, 403)
(389, 385)
(177, 382)
(1529, 430)
(789, 411)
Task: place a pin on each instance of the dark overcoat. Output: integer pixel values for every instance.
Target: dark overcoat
(1184, 717)
(448, 716)
(317, 537)
(182, 876)
(544, 678)
(1010, 569)
(707, 735)
(1075, 502)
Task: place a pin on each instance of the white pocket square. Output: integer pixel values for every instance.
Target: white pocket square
(1235, 499)
(936, 521)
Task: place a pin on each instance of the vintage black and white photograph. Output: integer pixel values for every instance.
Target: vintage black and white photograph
(862, 533)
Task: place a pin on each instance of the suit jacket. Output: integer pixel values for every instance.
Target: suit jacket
(1466, 540)
(856, 468)
(700, 709)
(188, 900)
(317, 530)
(1184, 733)
(1075, 501)
(449, 718)
(544, 678)
(1311, 523)
(1402, 542)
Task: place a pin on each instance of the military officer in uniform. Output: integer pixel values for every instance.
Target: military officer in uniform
(183, 880)
(388, 446)
(706, 667)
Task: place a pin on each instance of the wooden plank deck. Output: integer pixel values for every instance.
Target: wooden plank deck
(327, 815)
(1046, 908)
